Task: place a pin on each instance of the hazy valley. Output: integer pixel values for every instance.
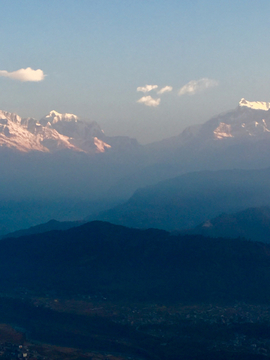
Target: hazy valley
(85, 177)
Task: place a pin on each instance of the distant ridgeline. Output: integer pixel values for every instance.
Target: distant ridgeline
(252, 223)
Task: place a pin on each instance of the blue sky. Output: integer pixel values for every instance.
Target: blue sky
(95, 53)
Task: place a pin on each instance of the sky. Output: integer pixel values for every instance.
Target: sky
(146, 68)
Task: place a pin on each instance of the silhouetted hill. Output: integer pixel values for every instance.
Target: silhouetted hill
(48, 226)
(190, 199)
(123, 263)
(252, 223)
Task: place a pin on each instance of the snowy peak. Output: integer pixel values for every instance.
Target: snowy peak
(255, 105)
(86, 136)
(53, 117)
(53, 132)
(250, 122)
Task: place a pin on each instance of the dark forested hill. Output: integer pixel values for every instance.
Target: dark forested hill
(118, 262)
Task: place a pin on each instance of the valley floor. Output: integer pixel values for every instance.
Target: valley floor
(96, 328)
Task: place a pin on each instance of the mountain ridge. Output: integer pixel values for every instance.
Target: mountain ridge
(55, 132)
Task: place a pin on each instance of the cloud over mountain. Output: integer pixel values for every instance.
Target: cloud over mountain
(165, 89)
(195, 86)
(27, 74)
(149, 101)
(147, 88)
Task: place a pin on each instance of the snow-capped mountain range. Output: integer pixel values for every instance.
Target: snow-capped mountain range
(53, 132)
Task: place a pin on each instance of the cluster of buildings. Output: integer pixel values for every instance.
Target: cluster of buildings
(13, 351)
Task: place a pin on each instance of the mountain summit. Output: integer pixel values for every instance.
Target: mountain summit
(249, 121)
(53, 132)
(54, 117)
(256, 105)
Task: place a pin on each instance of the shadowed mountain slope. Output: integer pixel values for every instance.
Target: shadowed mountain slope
(191, 199)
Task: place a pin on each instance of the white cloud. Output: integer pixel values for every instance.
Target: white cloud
(147, 88)
(149, 101)
(195, 86)
(165, 89)
(27, 74)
